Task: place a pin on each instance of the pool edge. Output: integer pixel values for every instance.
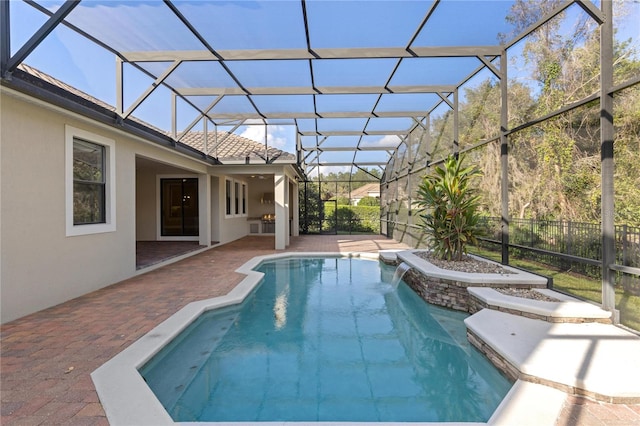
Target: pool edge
(127, 400)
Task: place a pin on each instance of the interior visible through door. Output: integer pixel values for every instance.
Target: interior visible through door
(179, 201)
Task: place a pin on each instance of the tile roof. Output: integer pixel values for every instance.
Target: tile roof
(366, 190)
(230, 147)
(62, 85)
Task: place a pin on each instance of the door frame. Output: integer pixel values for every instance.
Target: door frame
(159, 236)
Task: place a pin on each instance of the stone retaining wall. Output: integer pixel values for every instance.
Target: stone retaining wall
(450, 293)
(476, 305)
(496, 359)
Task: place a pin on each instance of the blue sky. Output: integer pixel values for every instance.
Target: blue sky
(138, 25)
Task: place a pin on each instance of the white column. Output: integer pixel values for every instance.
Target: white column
(295, 226)
(282, 215)
(287, 206)
(204, 209)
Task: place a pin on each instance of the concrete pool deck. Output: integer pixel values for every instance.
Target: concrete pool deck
(47, 357)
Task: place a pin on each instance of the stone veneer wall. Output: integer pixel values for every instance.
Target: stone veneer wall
(454, 295)
(476, 305)
(514, 374)
(450, 293)
(496, 359)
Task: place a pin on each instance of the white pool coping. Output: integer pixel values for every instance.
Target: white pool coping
(599, 359)
(127, 400)
(513, 276)
(565, 307)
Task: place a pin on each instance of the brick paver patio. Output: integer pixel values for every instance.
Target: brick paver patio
(47, 357)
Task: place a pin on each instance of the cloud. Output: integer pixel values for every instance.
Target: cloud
(389, 140)
(381, 142)
(281, 137)
(255, 133)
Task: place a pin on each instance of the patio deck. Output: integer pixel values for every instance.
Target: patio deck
(149, 253)
(46, 358)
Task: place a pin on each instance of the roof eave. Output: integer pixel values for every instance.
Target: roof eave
(33, 86)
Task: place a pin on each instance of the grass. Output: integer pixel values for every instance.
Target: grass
(578, 285)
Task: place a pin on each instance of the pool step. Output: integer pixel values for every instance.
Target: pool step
(389, 256)
(566, 310)
(517, 408)
(596, 360)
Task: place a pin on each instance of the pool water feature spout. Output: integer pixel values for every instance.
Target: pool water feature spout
(400, 271)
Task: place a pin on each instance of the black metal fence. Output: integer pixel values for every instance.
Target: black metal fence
(575, 246)
(580, 239)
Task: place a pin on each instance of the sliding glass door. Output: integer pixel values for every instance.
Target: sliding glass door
(179, 201)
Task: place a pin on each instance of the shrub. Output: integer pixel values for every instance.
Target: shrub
(354, 218)
(369, 201)
(450, 206)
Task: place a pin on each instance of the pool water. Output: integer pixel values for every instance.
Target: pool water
(326, 340)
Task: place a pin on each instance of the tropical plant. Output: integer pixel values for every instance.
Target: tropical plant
(449, 206)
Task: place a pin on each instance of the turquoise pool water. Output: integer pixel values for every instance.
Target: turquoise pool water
(326, 340)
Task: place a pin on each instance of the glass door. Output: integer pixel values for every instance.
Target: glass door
(179, 201)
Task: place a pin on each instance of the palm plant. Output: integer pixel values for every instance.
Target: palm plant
(450, 208)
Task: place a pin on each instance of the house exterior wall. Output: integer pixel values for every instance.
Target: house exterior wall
(230, 228)
(41, 265)
(215, 208)
(146, 223)
(257, 189)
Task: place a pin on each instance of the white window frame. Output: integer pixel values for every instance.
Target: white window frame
(228, 213)
(244, 208)
(72, 133)
(238, 193)
(237, 207)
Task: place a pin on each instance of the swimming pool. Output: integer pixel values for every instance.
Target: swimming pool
(326, 339)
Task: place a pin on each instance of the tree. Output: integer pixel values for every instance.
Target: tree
(563, 153)
(311, 213)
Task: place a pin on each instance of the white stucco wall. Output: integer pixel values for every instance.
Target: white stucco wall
(230, 228)
(257, 188)
(215, 208)
(146, 222)
(40, 265)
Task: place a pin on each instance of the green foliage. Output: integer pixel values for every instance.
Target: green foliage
(579, 285)
(627, 155)
(553, 164)
(451, 208)
(310, 208)
(343, 201)
(369, 201)
(353, 218)
(340, 184)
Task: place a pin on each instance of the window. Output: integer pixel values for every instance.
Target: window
(227, 183)
(88, 183)
(244, 199)
(236, 192)
(90, 189)
(235, 198)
